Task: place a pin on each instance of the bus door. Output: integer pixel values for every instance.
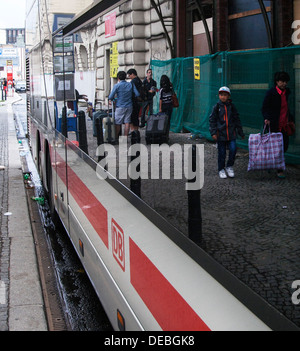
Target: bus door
(65, 117)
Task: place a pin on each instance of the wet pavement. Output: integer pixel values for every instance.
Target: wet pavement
(21, 299)
(83, 308)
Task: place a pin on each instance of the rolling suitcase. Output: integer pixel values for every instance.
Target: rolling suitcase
(99, 113)
(157, 129)
(108, 125)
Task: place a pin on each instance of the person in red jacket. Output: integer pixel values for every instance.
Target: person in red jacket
(275, 109)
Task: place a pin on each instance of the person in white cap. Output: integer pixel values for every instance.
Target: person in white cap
(224, 125)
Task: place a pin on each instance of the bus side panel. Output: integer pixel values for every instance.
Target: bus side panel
(149, 272)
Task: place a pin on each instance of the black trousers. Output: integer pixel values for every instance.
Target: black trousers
(286, 141)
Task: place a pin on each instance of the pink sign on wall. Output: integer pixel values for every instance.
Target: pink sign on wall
(110, 25)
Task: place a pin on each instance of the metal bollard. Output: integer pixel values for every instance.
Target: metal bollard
(82, 138)
(64, 122)
(194, 207)
(135, 184)
(99, 133)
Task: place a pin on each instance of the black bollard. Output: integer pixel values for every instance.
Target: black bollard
(64, 122)
(135, 184)
(110, 125)
(99, 133)
(194, 206)
(82, 138)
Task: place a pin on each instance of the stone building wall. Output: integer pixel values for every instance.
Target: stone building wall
(139, 36)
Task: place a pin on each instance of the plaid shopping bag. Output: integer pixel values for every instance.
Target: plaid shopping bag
(266, 151)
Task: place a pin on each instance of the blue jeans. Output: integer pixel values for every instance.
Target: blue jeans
(222, 147)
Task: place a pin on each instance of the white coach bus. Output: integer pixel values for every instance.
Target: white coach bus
(147, 274)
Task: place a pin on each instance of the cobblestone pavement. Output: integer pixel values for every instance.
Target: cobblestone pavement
(251, 223)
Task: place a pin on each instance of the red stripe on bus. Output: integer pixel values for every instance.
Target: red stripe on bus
(167, 306)
(95, 212)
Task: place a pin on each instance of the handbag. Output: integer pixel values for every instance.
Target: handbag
(266, 151)
(175, 100)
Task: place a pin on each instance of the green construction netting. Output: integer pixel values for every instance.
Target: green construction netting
(249, 74)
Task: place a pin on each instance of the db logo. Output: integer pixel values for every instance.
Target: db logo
(118, 244)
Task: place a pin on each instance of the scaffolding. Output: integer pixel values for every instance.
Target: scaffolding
(249, 74)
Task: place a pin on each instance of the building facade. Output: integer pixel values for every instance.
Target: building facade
(220, 25)
(122, 35)
(12, 53)
(118, 35)
(140, 31)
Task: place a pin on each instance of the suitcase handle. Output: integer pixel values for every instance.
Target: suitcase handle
(100, 105)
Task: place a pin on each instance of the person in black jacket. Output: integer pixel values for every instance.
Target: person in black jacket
(150, 87)
(224, 124)
(165, 97)
(132, 74)
(275, 109)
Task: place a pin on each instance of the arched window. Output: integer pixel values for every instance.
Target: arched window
(83, 60)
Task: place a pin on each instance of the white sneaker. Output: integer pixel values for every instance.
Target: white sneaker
(222, 174)
(230, 172)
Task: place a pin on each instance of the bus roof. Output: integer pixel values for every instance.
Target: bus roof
(88, 15)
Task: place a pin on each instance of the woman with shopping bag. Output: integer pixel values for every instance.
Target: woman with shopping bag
(276, 113)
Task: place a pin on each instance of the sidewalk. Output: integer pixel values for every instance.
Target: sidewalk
(21, 301)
